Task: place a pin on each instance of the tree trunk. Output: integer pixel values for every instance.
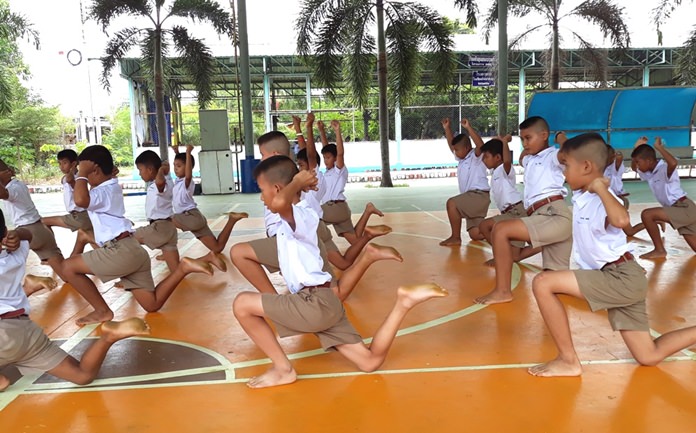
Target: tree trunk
(159, 98)
(366, 125)
(555, 55)
(383, 109)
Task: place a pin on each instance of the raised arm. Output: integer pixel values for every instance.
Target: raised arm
(160, 180)
(340, 161)
(322, 133)
(4, 194)
(507, 158)
(668, 157)
(448, 132)
(309, 136)
(618, 159)
(13, 238)
(188, 168)
(560, 138)
(297, 127)
(478, 142)
(617, 215)
(282, 202)
(81, 189)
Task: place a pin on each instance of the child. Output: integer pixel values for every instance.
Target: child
(677, 209)
(76, 218)
(161, 231)
(609, 277)
(547, 222)
(24, 215)
(24, 344)
(314, 304)
(188, 218)
(497, 157)
(473, 199)
(120, 255)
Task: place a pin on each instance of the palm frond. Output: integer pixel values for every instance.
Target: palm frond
(516, 8)
(198, 60)
(204, 10)
(103, 11)
(360, 60)
(312, 13)
(116, 48)
(491, 21)
(595, 60)
(517, 40)
(608, 17)
(471, 11)
(403, 35)
(147, 59)
(6, 93)
(15, 26)
(686, 61)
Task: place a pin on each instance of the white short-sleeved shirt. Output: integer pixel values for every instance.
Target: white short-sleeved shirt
(472, 173)
(271, 220)
(20, 205)
(595, 245)
(615, 176)
(666, 190)
(106, 211)
(182, 197)
(12, 269)
(335, 180)
(503, 188)
(68, 197)
(158, 205)
(298, 250)
(543, 176)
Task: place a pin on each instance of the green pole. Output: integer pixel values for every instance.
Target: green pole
(502, 67)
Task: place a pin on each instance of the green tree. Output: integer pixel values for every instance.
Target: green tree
(118, 140)
(602, 13)
(12, 27)
(341, 35)
(156, 41)
(686, 56)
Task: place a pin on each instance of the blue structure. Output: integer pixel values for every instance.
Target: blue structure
(622, 115)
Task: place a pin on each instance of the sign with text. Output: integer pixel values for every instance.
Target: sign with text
(482, 79)
(481, 61)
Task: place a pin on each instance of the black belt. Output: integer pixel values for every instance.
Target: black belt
(509, 208)
(160, 219)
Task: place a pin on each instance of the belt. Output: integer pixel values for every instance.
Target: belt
(118, 238)
(626, 194)
(679, 200)
(509, 208)
(160, 219)
(16, 314)
(544, 201)
(625, 257)
(336, 201)
(326, 285)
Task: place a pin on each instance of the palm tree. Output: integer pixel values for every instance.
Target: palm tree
(156, 41)
(603, 13)
(341, 36)
(686, 59)
(12, 27)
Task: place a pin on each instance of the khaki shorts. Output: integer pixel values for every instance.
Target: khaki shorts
(78, 220)
(324, 235)
(43, 241)
(266, 250)
(338, 214)
(124, 259)
(311, 310)
(473, 206)
(24, 345)
(551, 227)
(193, 221)
(159, 234)
(682, 216)
(518, 211)
(621, 290)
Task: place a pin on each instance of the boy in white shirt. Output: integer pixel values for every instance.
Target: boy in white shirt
(23, 343)
(76, 218)
(120, 255)
(188, 218)
(474, 198)
(663, 179)
(314, 302)
(497, 157)
(547, 223)
(609, 277)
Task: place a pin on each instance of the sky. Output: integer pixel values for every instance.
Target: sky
(271, 31)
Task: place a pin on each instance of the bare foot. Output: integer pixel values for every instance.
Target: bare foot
(380, 252)
(490, 263)
(114, 331)
(189, 265)
(372, 209)
(95, 317)
(160, 257)
(273, 377)
(379, 230)
(4, 383)
(654, 254)
(414, 294)
(495, 296)
(556, 368)
(451, 242)
(34, 283)
(237, 215)
(217, 261)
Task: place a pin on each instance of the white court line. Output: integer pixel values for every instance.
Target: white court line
(429, 214)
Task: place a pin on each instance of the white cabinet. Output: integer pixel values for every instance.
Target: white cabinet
(216, 168)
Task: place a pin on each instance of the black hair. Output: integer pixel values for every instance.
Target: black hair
(535, 121)
(99, 155)
(3, 227)
(270, 136)
(644, 151)
(302, 156)
(461, 139)
(181, 156)
(330, 148)
(593, 146)
(493, 146)
(68, 154)
(277, 169)
(149, 159)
